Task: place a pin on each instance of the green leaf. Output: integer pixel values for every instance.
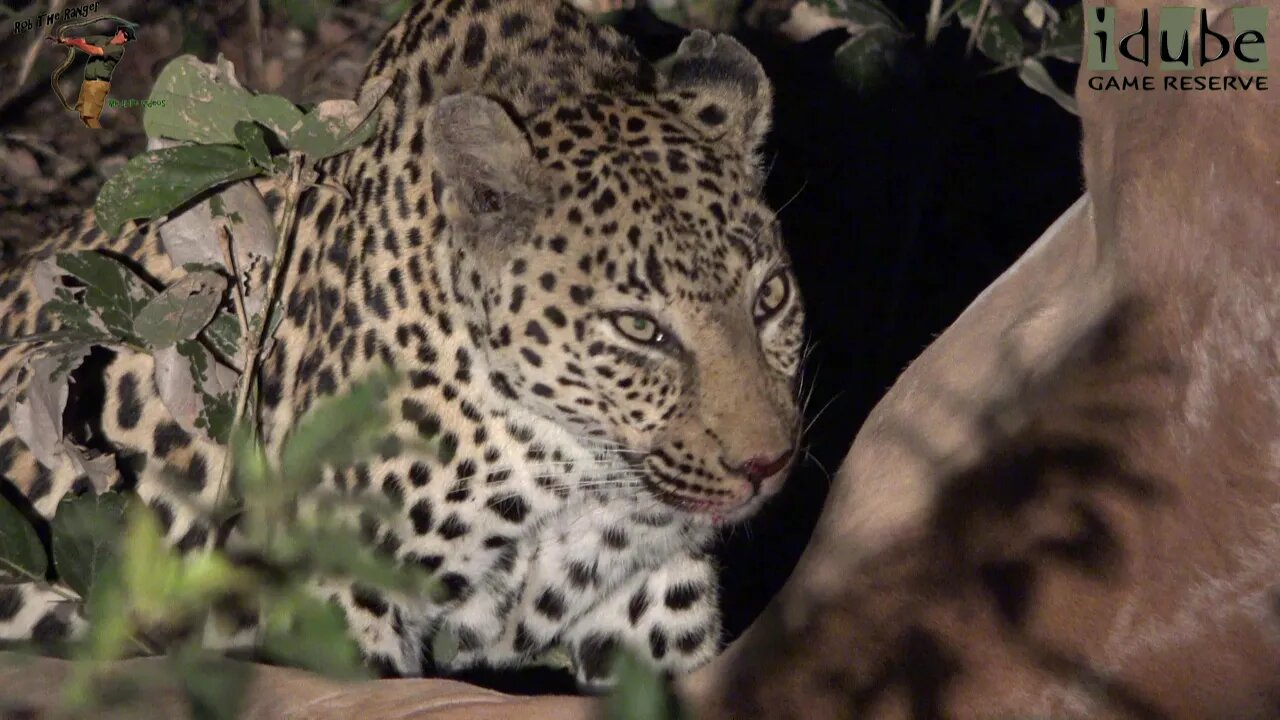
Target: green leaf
(86, 536)
(1063, 39)
(22, 557)
(200, 102)
(167, 588)
(223, 333)
(1036, 77)
(866, 60)
(208, 575)
(159, 181)
(107, 606)
(305, 632)
(274, 317)
(641, 693)
(253, 140)
(113, 294)
(321, 135)
(149, 568)
(252, 469)
(998, 39)
(444, 646)
(811, 18)
(711, 15)
(216, 394)
(337, 431)
(336, 126)
(215, 687)
(859, 13)
(345, 554)
(275, 113)
(182, 310)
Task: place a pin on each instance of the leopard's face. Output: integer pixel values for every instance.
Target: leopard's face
(649, 306)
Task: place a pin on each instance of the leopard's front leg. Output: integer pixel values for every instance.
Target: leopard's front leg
(668, 615)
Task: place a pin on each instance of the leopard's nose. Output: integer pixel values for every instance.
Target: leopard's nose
(761, 468)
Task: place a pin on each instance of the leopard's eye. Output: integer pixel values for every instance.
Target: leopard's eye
(639, 327)
(773, 295)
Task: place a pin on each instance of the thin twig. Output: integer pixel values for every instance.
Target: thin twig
(62, 593)
(255, 44)
(230, 249)
(978, 20)
(946, 15)
(20, 571)
(256, 339)
(332, 187)
(36, 144)
(934, 23)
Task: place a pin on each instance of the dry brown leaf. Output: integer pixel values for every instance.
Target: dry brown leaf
(182, 310)
(99, 468)
(37, 418)
(176, 386)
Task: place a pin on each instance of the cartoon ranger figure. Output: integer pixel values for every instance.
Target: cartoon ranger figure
(104, 53)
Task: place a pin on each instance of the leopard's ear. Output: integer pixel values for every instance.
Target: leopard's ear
(722, 89)
(482, 165)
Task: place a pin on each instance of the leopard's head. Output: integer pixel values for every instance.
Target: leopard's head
(633, 284)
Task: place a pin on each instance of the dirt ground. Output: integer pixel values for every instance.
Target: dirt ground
(51, 166)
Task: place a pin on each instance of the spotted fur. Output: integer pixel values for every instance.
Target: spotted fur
(566, 254)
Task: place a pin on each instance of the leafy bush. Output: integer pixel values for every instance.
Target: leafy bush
(207, 332)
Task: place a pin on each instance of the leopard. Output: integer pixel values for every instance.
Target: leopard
(567, 253)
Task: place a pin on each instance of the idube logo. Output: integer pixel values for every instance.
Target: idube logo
(1231, 57)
